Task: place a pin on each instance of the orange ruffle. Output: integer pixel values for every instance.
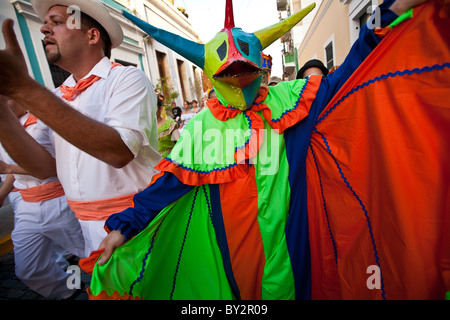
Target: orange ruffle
(193, 178)
(115, 296)
(220, 112)
(88, 264)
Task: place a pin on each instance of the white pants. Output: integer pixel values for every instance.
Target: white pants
(94, 233)
(42, 230)
(14, 198)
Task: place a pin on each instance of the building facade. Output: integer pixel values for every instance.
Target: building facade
(327, 33)
(138, 49)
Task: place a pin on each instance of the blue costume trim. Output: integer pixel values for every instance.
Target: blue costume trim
(182, 245)
(249, 121)
(219, 228)
(384, 77)
(147, 205)
(201, 171)
(296, 103)
(325, 206)
(144, 261)
(363, 207)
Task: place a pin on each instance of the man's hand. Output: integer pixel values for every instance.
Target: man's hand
(13, 68)
(112, 241)
(399, 7)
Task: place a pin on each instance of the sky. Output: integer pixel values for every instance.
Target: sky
(207, 18)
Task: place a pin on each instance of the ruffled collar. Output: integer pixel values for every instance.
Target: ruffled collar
(223, 113)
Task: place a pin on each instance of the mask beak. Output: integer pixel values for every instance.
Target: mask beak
(269, 35)
(239, 72)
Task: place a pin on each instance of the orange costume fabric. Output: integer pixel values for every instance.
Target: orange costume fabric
(379, 171)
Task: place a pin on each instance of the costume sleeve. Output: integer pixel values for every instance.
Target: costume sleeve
(164, 189)
(367, 41)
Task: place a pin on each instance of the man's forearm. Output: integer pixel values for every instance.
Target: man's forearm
(13, 169)
(399, 7)
(89, 135)
(6, 188)
(23, 149)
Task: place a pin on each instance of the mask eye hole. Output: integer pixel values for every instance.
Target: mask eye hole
(222, 50)
(244, 46)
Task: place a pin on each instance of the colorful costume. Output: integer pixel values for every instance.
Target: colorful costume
(229, 217)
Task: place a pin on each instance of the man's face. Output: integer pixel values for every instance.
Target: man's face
(312, 71)
(61, 43)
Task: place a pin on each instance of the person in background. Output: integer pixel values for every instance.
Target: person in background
(267, 69)
(168, 132)
(195, 108)
(312, 67)
(176, 111)
(274, 81)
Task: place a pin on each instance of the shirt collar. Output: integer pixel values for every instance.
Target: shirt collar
(101, 69)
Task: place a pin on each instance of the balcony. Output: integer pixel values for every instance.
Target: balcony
(281, 5)
(289, 58)
(289, 65)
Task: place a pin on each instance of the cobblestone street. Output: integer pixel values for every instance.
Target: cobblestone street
(11, 288)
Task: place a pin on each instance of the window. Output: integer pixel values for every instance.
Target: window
(329, 56)
(58, 75)
(363, 19)
(182, 78)
(160, 57)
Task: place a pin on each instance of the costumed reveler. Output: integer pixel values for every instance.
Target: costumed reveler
(229, 216)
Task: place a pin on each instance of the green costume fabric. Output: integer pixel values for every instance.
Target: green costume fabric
(179, 241)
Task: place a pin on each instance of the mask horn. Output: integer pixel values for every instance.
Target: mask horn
(229, 15)
(269, 35)
(193, 51)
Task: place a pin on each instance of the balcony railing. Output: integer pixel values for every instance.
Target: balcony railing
(289, 58)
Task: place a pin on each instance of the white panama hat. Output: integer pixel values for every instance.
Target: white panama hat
(93, 8)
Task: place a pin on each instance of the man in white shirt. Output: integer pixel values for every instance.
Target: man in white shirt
(45, 228)
(101, 121)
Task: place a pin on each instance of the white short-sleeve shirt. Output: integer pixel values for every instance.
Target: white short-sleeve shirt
(125, 100)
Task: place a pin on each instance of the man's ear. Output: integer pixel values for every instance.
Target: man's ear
(94, 36)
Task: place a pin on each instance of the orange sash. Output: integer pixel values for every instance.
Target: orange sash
(100, 209)
(70, 93)
(45, 192)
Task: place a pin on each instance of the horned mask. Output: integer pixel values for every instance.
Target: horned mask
(232, 60)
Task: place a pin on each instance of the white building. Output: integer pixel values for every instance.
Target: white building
(327, 33)
(138, 49)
